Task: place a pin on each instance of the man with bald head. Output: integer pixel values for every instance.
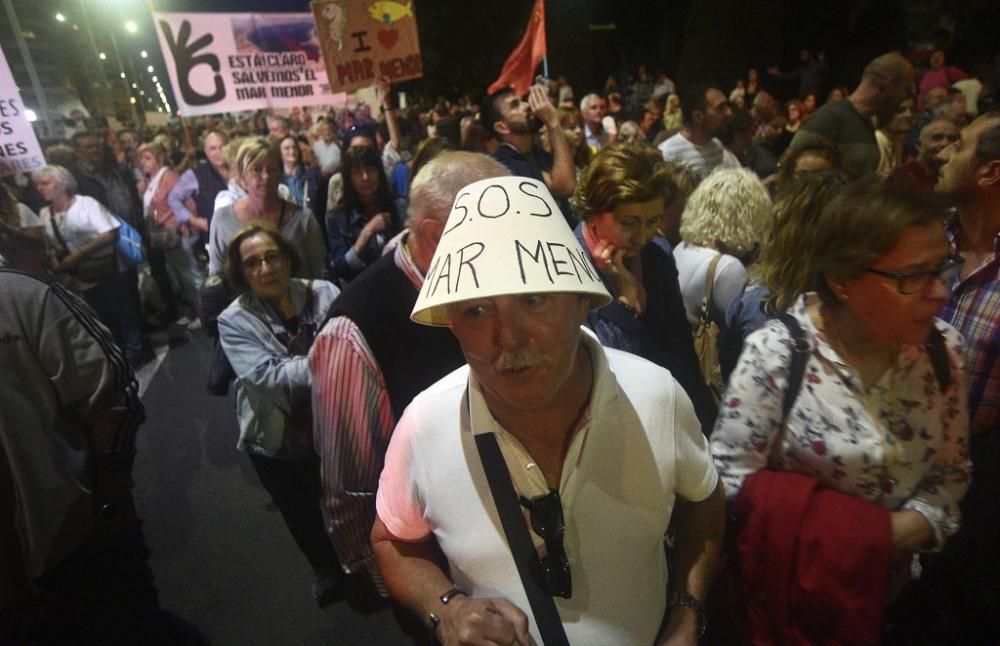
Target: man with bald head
(371, 360)
(921, 174)
(885, 83)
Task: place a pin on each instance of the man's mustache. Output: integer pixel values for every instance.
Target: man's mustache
(512, 360)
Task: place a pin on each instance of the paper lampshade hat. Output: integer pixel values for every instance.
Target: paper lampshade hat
(505, 236)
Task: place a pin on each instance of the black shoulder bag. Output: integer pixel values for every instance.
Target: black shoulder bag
(92, 268)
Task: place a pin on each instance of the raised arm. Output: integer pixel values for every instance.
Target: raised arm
(562, 179)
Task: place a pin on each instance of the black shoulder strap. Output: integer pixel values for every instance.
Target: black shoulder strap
(523, 550)
(55, 231)
(939, 359)
(797, 367)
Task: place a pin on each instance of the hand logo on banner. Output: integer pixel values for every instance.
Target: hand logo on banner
(185, 61)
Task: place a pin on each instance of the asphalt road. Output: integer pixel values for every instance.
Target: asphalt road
(222, 557)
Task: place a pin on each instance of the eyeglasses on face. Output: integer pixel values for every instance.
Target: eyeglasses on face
(917, 281)
(547, 521)
(254, 264)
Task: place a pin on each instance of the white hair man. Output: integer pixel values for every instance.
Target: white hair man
(371, 360)
(593, 445)
(594, 108)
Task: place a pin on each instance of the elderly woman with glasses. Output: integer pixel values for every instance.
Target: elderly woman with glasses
(859, 389)
(266, 334)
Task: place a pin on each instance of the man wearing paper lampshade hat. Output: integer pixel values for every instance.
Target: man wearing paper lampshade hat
(545, 471)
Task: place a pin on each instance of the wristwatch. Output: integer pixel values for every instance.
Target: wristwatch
(686, 600)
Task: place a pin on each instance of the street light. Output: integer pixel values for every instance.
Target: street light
(123, 74)
(156, 80)
(32, 117)
(60, 17)
(132, 100)
(131, 27)
(149, 68)
(102, 56)
(143, 53)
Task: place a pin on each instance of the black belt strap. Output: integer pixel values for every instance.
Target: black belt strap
(521, 547)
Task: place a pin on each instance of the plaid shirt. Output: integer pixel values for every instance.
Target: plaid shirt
(974, 310)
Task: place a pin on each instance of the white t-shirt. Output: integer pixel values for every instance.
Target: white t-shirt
(28, 218)
(638, 446)
(701, 160)
(328, 156)
(85, 219)
(692, 272)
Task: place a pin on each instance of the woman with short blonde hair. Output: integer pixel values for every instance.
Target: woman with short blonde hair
(727, 217)
(258, 169)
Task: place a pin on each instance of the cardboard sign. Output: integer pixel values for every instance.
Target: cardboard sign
(19, 149)
(228, 62)
(365, 40)
(505, 236)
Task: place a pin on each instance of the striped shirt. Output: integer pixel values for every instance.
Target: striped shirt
(974, 310)
(352, 424)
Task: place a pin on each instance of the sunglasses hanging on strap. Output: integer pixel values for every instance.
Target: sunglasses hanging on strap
(535, 573)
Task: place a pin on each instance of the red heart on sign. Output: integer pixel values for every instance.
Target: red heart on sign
(388, 37)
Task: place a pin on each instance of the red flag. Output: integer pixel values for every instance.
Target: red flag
(519, 70)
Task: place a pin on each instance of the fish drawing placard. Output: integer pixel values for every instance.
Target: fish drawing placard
(363, 40)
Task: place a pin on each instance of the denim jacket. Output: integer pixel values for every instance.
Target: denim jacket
(272, 388)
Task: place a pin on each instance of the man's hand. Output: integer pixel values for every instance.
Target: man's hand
(382, 89)
(541, 106)
(483, 621)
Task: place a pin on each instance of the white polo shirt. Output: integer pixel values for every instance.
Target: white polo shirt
(639, 444)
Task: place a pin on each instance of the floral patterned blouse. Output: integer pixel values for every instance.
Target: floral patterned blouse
(901, 443)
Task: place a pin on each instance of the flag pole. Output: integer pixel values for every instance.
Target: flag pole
(545, 56)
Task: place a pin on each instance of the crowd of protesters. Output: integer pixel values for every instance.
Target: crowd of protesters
(819, 274)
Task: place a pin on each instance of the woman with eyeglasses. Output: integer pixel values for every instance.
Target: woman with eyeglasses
(258, 169)
(866, 398)
(366, 218)
(266, 334)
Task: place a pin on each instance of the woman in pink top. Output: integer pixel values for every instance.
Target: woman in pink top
(939, 75)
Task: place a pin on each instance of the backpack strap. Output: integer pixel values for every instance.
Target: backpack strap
(797, 367)
(938, 353)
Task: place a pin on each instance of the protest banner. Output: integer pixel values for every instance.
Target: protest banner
(364, 40)
(228, 62)
(19, 149)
